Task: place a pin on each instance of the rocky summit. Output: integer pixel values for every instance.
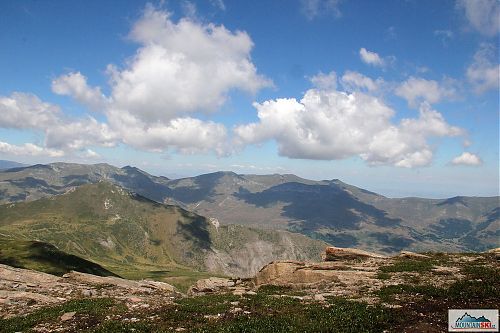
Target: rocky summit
(409, 292)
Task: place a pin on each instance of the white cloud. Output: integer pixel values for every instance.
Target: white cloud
(219, 4)
(371, 58)
(467, 158)
(416, 90)
(314, 8)
(29, 149)
(444, 35)
(325, 81)
(353, 81)
(186, 135)
(23, 111)
(482, 15)
(75, 85)
(330, 124)
(89, 153)
(484, 73)
(182, 67)
(27, 111)
(78, 134)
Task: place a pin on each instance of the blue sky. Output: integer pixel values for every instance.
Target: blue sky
(399, 97)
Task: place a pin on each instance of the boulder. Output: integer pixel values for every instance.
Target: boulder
(210, 285)
(412, 255)
(295, 273)
(339, 253)
(495, 252)
(27, 276)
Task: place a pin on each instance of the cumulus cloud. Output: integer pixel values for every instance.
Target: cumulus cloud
(27, 111)
(314, 8)
(484, 73)
(353, 81)
(29, 149)
(371, 58)
(182, 67)
(325, 81)
(89, 153)
(331, 124)
(467, 158)
(482, 15)
(185, 135)
(75, 85)
(415, 90)
(76, 134)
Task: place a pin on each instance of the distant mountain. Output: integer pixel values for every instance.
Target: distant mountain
(4, 164)
(127, 232)
(330, 210)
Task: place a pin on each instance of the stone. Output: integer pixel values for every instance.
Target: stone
(319, 297)
(212, 284)
(339, 253)
(67, 316)
(412, 255)
(87, 293)
(293, 273)
(111, 281)
(134, 299)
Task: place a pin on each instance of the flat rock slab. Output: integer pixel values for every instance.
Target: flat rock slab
(142, 285)
(26, 276)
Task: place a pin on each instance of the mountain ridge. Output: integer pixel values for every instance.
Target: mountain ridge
(124, 231)
(331, 210)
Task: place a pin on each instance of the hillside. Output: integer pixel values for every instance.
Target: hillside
(338, 213)
(4, 164)
(45, 257)
(134, 236)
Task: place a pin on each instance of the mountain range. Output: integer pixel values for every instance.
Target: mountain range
(133, 236)
(328, 210)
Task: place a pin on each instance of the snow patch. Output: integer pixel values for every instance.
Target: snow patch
(108, 243)
(214, 222)
(107, 204)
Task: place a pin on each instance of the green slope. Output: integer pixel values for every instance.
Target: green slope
(46, 258)
(136, 237)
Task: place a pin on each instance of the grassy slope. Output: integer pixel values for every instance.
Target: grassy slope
(45, 258)
(133, 236)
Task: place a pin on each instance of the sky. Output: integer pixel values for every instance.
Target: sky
(397, 97)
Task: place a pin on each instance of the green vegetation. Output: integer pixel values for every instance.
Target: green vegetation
(257, 313)
(91, 307)
(128, 235)
(45, 257)
(409, 265)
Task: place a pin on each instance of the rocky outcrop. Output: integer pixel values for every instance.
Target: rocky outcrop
(134, 286)
(412, 255)
(210, 285)
(23, 290)
(339, 253)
